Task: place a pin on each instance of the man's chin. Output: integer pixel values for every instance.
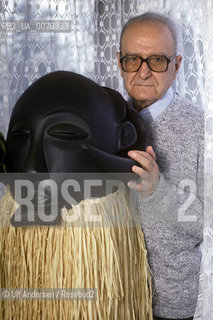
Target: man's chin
(141, 92)
(141, 102)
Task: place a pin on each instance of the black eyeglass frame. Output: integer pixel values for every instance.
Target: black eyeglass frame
(147, 62)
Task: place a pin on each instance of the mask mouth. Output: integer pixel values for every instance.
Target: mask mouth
(109, 162)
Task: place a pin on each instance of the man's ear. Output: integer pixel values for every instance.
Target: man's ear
(127, 136)
(178, 60)
(119, 64)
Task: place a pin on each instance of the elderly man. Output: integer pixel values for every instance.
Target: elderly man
(169, 192)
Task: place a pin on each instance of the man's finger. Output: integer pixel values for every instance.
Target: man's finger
(150, 151)
(138, 155)
(140, 171)
(144, 159)
(134, 186)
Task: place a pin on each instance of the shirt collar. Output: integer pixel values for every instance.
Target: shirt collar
(151, 112)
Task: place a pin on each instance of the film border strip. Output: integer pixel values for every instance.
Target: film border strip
(35, 26)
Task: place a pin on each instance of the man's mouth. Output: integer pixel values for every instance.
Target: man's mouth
(144, 85)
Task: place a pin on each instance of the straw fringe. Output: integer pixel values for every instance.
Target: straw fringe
(111, 257)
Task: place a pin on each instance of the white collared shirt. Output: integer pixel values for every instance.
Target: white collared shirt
(151, 112)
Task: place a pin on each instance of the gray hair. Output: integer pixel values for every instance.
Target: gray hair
(155, 18)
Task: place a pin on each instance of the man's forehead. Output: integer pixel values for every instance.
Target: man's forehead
(152, 25)
(155, 29)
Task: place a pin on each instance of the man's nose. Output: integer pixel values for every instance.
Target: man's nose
(144, 72)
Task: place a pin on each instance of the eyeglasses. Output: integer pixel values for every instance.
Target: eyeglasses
(156, 63)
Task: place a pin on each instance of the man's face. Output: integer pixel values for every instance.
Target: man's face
(146, 86)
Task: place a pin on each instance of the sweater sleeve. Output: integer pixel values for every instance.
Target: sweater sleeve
(177, 201)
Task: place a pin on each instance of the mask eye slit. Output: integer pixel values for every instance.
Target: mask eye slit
(67, 132)
(19, 132)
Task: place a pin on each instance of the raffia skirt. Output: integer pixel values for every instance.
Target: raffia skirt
(108, 256)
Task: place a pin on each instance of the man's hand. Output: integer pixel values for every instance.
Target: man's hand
(148, 172)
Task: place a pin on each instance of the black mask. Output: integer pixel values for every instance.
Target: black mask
(60, 116)
(65, 122)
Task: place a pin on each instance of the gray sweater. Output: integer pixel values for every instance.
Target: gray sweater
(172, 218)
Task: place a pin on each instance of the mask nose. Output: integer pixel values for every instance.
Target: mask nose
(35, 162)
